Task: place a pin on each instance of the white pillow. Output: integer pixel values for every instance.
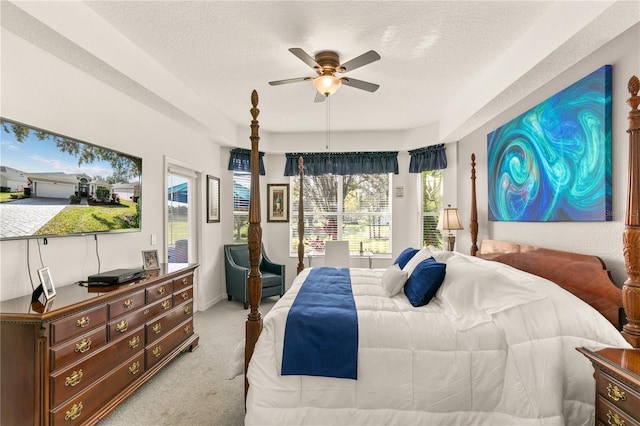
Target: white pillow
(423, 254)
(393, 280)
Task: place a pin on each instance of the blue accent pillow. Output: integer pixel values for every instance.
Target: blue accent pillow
(425, 281)
(405, 257)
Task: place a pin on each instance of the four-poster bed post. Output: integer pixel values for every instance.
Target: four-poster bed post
(253, 325)
(301, 216)
(473, 225)
(631, 236)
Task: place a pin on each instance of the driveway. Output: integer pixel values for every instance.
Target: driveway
(22, 218)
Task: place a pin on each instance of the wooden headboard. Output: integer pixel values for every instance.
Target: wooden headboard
(583, 275)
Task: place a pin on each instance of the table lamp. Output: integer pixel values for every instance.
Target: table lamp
(449, 221)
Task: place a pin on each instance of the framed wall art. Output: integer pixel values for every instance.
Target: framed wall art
(213, 199)
(278, 202)
(553, 162)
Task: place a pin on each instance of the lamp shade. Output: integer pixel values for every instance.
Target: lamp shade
(327, 84)
(449, 219)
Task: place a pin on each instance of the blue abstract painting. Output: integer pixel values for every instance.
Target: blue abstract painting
(553, 163)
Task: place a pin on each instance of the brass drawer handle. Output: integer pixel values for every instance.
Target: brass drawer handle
(133, 343)
(614, 420)
(83, 322)
(157, 328)
(128, 303)
(161, 290)
(135, 368)
(187, 329)
(184, 281)
(157, 351)
(187, 310)
(146, 312)
(74, 378)
(83, 346)
(166, 304)
(185, 295)
(75, 412)
(122, 326)
(615, 393)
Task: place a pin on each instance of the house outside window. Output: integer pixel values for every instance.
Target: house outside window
(241, 197)
(431, 184)
(354, 208)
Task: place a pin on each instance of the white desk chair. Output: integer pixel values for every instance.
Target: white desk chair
(336, 253)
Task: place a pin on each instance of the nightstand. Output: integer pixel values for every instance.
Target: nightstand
(617, 374)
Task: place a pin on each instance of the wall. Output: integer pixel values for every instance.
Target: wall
(43, 91)
(600, 238)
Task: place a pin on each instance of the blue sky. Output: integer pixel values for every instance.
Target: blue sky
(42, 156)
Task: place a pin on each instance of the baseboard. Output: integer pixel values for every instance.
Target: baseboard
(210, 303)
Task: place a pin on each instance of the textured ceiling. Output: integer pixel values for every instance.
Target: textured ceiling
(443, 62)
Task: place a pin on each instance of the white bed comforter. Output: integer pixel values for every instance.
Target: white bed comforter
(496, 346)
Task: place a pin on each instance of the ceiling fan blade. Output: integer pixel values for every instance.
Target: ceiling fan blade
(319, 97)
(289, 80)
(304, 57)
(364, 59)
(359, 84)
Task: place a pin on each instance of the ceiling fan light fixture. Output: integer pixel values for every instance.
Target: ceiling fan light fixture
(327, 84)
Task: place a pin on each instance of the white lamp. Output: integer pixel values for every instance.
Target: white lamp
(449, 221)
(326, 83)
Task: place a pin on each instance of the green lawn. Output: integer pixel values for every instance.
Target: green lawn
(6, 196)
(78, 219)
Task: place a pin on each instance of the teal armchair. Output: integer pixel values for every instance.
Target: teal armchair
(236, 268)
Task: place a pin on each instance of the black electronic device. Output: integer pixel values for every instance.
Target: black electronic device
(116, 276)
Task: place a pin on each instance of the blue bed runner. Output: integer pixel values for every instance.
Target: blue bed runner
(321, 335)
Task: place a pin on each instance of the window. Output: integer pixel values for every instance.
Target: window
(241, 197)
(354, 208)
(431, 183)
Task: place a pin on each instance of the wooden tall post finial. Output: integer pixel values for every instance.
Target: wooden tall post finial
(631, 236)
(473, 223)
(301, 216)
(254, 282)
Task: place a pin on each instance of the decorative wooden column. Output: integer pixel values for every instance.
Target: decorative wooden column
(631, 236)
(301, 216)
(473, 223)
(253, 326)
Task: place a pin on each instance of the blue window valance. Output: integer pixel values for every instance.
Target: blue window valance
(240, 160)
(342, 163)
(431, 157)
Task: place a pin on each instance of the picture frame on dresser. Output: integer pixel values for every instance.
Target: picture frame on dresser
(48, 288)
(150, 259)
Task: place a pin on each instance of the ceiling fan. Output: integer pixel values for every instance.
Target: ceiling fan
(327, 64)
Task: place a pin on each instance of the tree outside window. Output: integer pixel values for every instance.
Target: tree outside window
(354, 208)
(431, 206)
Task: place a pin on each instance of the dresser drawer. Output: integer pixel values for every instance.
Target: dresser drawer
(78, 324)
(160, 326)
(81, 346)
(123, 324)
(159, 291)
(182, 282)
(183, 295)
(609, 414)
(67, 383)
(618, 394)
(159, 307)
(164, 346)
(125, 304)
(79, 409)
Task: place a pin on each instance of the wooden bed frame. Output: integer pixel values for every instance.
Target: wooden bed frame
(583, 275)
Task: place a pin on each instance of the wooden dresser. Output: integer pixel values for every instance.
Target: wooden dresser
(617, 374)
(88, 351)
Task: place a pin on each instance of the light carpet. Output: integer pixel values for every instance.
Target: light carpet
(193, 389)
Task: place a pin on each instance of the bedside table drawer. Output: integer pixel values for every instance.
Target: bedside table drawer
(609, 414)
(618, 394)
